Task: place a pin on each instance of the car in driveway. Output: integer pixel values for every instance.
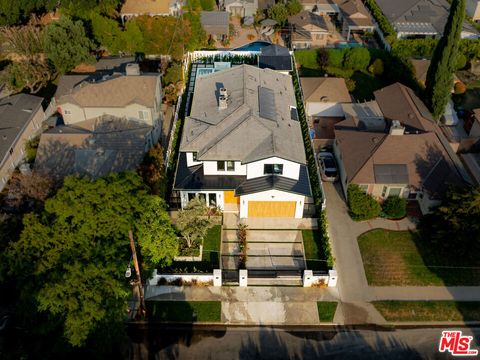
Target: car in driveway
(328, 166)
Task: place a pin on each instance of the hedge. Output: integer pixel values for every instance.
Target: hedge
(362, 206)
(384, 24)
(406, 48)
(394, 207)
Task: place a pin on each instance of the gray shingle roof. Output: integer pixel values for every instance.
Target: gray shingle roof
(239, 132)
(215, 22)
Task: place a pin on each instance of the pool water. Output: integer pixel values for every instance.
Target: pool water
(253, 46)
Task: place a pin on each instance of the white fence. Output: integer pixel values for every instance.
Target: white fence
(199, 278)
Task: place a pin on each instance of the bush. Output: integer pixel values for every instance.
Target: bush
(351, 84)
(339, 72)
(394, 207)
(376, 68)
(461, 62)
(385, 25)
(459, 88)
(336, 57)
(357, 59)
(362, 206)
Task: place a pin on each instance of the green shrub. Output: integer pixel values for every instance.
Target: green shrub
(307, 58)
(461, 62)
(385, 25)
(362, 206)
(336, 57)
(339, 72)
(357, 59)
(376, 68)
(31, 147)
(351, 84)
(394, 207)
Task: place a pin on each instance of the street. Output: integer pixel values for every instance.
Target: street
(274, 343)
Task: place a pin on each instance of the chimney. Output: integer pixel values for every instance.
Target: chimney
(396, 128)
(132, 69)
(222, 99)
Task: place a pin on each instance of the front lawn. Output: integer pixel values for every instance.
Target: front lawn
(401, 258)
(326, 310)
(428, 310)
(314, 253)
(184, 311)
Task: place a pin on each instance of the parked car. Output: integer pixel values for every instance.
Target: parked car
(328, 166)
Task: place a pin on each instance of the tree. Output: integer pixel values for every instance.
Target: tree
(152, 170)
(107, 33)
(30, 190)
(376, 68)
(193, 221)
(67, 45)
(279, 13)
(72, 257)
(156, 235)
(443, 64)
(336, 57)
(26, 75)
(294, 7)
(323, 58)
(357, 59)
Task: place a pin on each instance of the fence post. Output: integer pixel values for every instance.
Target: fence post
(332, 278)
(243, 277)
(307, 278)
(217, 277)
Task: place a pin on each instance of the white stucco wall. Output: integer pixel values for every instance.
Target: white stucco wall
(272, 195)
(220, 199)
(325, 109)
(290, 169)
(473, 9)
(190, 161)
(210, 168)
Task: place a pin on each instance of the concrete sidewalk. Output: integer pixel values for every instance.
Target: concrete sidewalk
(457, 293)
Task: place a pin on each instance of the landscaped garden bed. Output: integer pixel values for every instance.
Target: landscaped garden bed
(428, 310)
(185, 311)
(326, 310)
(401, 258)
(314, 253)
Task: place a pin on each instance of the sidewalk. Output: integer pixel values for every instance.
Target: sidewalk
(411, 293)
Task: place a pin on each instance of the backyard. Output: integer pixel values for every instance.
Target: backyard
(184, 311)
(402, 258)
(428, 310)
(314, 253)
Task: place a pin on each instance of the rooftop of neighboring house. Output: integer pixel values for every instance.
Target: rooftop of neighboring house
(215, 22)
(147, 7)
(325, 89)
(423, 16)
(16, 112)
(94, 147)
(275, 57)
(259, 120)
(355, 12)
(420, 67)
(117, 90)
(308, 21)
(265, 4)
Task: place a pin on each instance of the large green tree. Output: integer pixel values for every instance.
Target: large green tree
(440, 73)
(279, 13)
(67, 45)
(74, 254)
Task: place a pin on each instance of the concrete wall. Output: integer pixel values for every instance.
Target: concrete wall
(13, 159)
(324, 109)
(220, 199)
(290, 169)
(153, 281)
(272, 195)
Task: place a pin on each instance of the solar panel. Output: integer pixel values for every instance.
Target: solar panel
(391, 174)
(266, 103)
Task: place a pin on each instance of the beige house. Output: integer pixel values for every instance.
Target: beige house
(133, 8)
(402, 153)
(308, 30)
(21, 118)
(355, 17)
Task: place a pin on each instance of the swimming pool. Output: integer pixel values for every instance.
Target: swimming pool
(253, 46)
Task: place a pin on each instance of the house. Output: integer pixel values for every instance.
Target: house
(132, 95)
(402, 153)
(275, 57)
(242, 148)
(321, 7)
(215, 23)
(133, 8)
(324, 96)
(420, 69)
(421, 18)
(355, 18)
(94, 147)
(21, 117)
(243, 8)
(473, 9)
(308, 30)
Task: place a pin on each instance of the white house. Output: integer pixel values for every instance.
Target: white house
(242, 148)
(324, 96)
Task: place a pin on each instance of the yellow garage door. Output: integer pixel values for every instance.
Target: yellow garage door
(271, 209)
(230, 197)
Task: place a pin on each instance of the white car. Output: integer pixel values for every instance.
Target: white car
(328, 166)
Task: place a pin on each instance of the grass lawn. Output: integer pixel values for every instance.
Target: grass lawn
(313, 250)
(326, 310)
(428, 310)
(399, 258)
(184, 311)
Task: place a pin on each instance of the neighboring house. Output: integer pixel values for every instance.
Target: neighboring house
(94, 147)
(242, 147)
(420, 69)
(421, 18)
(324, 96)
(265, 4)
(308, 30)
(275, 57)
(321, 7)
(402, 153)
(473, 9)
(133, 96)
(215, 23)
(243, 8)
(355, 17)
(21, 118)
(133, 8)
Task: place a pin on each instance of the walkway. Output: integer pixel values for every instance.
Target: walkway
(231, 220)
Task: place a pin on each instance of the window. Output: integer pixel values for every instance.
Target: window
(395, 191)
(226, 165)
(230, 166)
(143, 115)
(202, 197)
(276, 169)
(212, 199)
(67, 112)
(195, 156)
(220, 165)
(191, 196)
(364, 188)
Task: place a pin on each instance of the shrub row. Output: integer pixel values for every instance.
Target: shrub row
(384, 24)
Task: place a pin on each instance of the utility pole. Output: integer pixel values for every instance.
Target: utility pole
(142, 308)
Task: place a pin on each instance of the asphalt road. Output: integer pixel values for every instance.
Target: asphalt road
(270, 343)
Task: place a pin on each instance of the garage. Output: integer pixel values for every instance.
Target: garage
(271, 209)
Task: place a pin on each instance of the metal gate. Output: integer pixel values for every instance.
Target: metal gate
(230, 277)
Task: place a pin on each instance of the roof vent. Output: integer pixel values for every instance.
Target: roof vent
(132, 69)
(396, 128)
(324, 99)
(223, 99)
